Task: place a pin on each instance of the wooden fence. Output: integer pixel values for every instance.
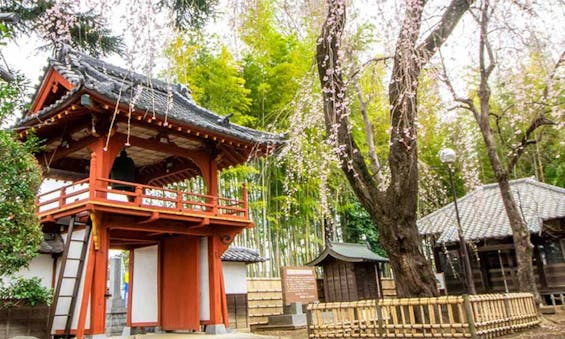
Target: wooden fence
(264, 298)
(488, 315)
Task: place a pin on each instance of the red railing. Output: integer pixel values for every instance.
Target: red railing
(127, 194)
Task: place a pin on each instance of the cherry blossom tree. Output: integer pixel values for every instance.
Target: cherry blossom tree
(393, 209)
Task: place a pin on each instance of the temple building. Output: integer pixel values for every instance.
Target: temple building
(487, 232)
(127, 146)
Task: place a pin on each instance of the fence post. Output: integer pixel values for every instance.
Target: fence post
(469, 315)
(508, 312)
(381, 329)
(309, 319)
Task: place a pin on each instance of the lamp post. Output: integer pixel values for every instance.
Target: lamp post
(447, 156)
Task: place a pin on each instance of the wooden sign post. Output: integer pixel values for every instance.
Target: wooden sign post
(298, 284)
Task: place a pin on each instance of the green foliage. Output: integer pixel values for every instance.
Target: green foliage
(213, 77)
(92, 36)
(357, 224)
(274, 65)
(20, 177)
(190, 14)
(89, 34)
(22, 291)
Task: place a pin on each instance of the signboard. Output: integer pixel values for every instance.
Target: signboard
(298, 285)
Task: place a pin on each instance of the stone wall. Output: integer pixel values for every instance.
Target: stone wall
(24, 321)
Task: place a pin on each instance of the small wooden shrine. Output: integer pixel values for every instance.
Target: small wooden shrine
(126, 144)
(351, 272)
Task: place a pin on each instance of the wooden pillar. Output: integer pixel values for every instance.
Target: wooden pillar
(540, 266)
(98, 299)
(217, 245)
(485, 275)
(380, 293)
(213, 177)
(213, 183)
(214, 278)
(101, 161)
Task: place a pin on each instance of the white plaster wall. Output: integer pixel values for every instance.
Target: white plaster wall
(235, 281)
(144, 302)
(204, 280)
(41, 266)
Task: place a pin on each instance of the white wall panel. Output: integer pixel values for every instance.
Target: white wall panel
(204, 280)
(144, 302)
(234, 277)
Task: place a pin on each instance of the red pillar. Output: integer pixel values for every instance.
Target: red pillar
(212, 177)
(217, 245)
(214, 276)
(101, 163)
(98, 299)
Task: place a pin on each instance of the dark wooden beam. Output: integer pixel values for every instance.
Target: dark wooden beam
(74, 146)
(172, 149)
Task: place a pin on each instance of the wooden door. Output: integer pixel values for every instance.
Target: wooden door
(180, 302)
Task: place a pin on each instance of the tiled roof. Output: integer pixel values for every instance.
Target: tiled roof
(349, 252)
(147, 95)
(52, 243)
(483, 215)
(242, 254)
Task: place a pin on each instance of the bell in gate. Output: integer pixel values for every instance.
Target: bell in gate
(123, 169)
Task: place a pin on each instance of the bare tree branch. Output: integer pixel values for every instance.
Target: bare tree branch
(484, 45)
(537, 122)
(525, 140)
(467, 103)
(367, 63)
(372, 153)
(439, 35)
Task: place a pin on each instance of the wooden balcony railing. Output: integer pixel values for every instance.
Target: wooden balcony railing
(143, 196)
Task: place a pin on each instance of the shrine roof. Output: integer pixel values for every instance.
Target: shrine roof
(242, 254)
(172, 102)
(348, 252)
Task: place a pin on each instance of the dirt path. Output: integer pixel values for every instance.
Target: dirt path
(288, 334)
(552, 326)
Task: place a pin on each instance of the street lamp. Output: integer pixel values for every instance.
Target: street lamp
(447, 156)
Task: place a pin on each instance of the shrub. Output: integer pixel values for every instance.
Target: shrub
(22, 291)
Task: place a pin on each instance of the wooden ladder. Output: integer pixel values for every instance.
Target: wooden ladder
(66, 273)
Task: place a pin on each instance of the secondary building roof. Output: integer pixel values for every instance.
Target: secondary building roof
(52, 243)
(483, 215)
(116, 84)
(242, 254)
(349, 252)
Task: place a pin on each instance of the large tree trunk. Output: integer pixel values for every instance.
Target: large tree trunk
(520, 232)
(522, 244)
(397, 225)
(394, 210)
